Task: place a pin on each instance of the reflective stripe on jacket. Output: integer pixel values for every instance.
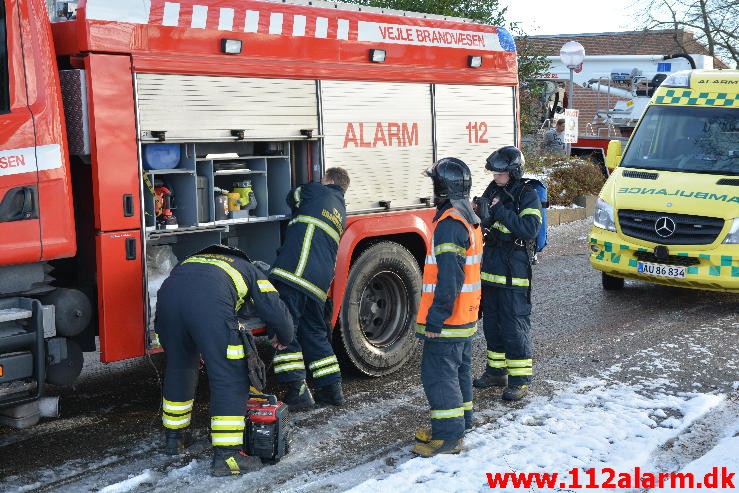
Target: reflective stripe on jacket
(241, 288)
(517, 217)
(307, 257)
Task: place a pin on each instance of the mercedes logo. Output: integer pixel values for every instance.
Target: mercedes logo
(665, 227)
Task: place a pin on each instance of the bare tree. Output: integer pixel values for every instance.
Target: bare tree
(712, 22)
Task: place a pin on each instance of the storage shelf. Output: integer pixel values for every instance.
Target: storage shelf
(172, 171)
(223, 172)
(240, 158)
(194, 181)
(158, 233)
(250, 219)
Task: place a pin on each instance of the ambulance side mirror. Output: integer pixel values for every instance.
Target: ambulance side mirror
(613, 155)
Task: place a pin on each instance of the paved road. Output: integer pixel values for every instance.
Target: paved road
(110, 428)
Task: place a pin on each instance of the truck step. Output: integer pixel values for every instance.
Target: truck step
(10, 314)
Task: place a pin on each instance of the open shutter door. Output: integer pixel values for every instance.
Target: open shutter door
(381, 133)
(472, 122)
(196, 107)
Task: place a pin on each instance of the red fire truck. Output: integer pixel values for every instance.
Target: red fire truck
(126, 127)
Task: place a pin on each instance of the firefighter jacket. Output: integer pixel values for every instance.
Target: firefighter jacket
(450, 300)
(307, 257)
(513, 220)
(241, 285)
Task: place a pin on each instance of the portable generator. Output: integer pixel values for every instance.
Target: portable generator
(267, 431)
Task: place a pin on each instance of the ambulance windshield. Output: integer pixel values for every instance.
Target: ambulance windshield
(686, 138)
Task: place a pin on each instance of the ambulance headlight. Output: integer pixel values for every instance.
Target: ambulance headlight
(733, 236)
(603, 216)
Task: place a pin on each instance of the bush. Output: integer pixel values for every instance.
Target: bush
(566, 177)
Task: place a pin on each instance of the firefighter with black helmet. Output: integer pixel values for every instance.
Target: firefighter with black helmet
(302, 274)
(448, 313)
(510, 212)
(197, 313)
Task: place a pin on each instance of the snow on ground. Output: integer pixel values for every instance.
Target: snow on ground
(591, 424)
(594, 423)
(600, 422)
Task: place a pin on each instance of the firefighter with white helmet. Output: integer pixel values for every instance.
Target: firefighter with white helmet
(448, 313)
(510, 211)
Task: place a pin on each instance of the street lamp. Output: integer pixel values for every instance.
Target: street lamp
(572, 55)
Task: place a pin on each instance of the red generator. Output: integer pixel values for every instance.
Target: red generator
(267, 431)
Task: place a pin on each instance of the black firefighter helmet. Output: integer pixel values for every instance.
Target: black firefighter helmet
(452, 179)
(507, 159)
(224, 250)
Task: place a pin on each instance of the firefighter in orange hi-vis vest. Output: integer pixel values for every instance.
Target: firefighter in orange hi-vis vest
(448, 314)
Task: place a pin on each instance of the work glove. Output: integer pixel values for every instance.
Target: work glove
(482, 209)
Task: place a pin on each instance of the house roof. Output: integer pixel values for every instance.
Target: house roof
(656, 42)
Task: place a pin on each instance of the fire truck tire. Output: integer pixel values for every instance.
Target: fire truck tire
(66, 371)
(73, 310)
(378, 315)
(611, 283)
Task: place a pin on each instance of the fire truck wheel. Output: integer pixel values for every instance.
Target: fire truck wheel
(73, 310)
(379, 310)
(611, 283)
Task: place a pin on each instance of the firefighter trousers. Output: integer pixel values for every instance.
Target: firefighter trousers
(311, 344)
(446, 374)
(192, 321)
(506, 323)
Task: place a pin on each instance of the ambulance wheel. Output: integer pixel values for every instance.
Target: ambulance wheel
(378, 314)
(611, 283)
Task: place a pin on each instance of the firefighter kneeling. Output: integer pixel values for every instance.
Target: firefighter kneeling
(448, 314)
(197, 314)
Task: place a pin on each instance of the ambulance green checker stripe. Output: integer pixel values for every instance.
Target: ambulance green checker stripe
(686, 96)
(728, 265)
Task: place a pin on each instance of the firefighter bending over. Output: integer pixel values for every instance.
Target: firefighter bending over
(197, 309)
(512, 212)
(302, 274)
(448, 314)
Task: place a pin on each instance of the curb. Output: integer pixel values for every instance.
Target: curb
(586, 207)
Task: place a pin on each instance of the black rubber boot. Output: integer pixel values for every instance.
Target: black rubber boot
(490, 380)
(229, 461)
(176, 441)
(298, 396)
(515, 392)
(330, 394)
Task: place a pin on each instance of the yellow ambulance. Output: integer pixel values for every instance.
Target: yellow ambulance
(669, 212)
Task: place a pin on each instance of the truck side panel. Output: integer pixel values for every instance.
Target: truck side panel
(472, 122)
(120, 295)
(115, 158)
(55, 210)
(21, 240)
(370, 128)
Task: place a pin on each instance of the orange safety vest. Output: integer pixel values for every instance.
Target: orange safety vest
(462, 322)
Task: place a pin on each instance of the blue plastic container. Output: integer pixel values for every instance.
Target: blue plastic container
(161, 156)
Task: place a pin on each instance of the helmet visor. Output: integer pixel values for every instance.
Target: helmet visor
(499, 166)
